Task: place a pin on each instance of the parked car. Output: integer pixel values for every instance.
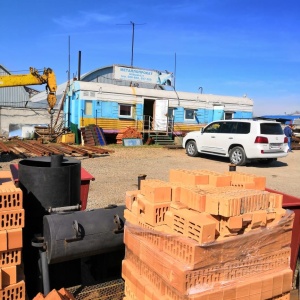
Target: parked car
(239, 139)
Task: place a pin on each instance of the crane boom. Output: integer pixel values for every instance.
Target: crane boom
(34, 78)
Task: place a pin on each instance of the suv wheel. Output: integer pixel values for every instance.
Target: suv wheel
(191, 149)
(237, 156)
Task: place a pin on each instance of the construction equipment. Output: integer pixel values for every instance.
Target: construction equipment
(34, 78)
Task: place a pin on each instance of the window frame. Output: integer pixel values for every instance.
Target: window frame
(194, 114)
(130, 116)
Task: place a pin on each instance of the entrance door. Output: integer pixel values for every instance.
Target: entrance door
(148, 113)
(218, 112)
(160, 120)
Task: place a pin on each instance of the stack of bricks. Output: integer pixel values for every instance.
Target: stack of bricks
(61, 294)
(12, 285)
(206, 235)
(128, 132)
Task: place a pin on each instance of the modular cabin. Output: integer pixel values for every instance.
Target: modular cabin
(118, 97)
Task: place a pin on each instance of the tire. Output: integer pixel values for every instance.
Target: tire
(191, 149)
(237, 156)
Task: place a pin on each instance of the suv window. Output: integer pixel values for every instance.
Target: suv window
(271, 128)
(243, 127)
(213, 128)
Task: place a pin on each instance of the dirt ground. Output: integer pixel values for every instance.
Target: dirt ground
(118, 172)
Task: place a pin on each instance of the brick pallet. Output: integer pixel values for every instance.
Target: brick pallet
(205, 235)
(12, 285)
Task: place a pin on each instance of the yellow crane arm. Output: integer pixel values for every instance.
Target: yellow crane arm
(33, 78)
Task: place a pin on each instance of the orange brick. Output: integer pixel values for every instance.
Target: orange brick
(267, 286)
(149, 291)
(219, 180)
(132, 242)
(10, 258)
(256, 287)
(54, 295)
(277, 284)
(8, 276)
(66, 293)
(287, 281)
(177, 205)
(12, 219)
(229, 294)
(14, 238)
(259, 219)
(130, 197)
(10, 198)
(39, 296)
(14, 291)
(5, 177)
(260, 183)
(152, 213)
(3, 240)
(235, 223)
(156, 191)
(276, 200)
(243, 290)
(175, 175)
(175, 192)
(200, 227)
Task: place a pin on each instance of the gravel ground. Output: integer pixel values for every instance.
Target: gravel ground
(118, 172)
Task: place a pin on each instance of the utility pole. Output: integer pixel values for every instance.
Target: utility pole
(132, 39)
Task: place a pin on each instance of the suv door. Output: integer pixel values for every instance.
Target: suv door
(217, 137)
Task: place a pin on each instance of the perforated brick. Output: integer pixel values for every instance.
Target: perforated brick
(15, 291)
(11, 198)
(10, 258)
(152, 213)
(12, 219)
(241, 177)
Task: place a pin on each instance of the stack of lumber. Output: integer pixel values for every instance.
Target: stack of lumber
(206, 235)
(128, 133)
(12, 285)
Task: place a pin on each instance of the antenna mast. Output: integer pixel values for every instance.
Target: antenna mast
(132, 38)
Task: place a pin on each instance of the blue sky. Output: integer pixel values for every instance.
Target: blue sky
(227, 47)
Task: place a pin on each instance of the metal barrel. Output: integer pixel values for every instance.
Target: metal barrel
(75, 235)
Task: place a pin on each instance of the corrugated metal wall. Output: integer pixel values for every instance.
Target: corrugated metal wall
(12, 96)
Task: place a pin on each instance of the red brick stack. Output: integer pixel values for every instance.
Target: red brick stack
(128, 132)
(12, 285)
(206, 235)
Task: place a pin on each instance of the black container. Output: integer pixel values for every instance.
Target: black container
(83, 233)
(53, 181)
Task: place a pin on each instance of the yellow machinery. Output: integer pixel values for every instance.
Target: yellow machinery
(34, 78)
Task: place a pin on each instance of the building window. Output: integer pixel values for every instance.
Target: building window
(88, 109)
(228, 115)
(189, 114)
(125, 110)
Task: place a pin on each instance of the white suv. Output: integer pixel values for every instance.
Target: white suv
(240, 140)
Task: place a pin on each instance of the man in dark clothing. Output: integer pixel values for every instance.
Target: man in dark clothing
(288, 131)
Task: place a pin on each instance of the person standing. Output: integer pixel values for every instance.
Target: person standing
(288, 131)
